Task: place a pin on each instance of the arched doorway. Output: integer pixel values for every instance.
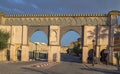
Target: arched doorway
(71, 42)
(104, 56)
(90, 55)
(38, 46)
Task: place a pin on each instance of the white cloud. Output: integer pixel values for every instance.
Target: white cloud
(17, 1)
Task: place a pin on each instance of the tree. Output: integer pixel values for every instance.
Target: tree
(76, 49)
(4, 36)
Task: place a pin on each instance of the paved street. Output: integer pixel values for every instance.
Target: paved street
(69, 65)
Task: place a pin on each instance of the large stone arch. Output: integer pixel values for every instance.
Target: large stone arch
(32, 29)
(65, 29)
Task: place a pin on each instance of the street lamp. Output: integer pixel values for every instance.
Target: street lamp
(93, 52)
(36, 43)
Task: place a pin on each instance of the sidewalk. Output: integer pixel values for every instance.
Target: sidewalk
(103, 68)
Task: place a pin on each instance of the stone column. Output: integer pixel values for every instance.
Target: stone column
(113, 17)
(13, 52)
(85, 48)
(54, 48)
(25, 49)
(25, 53)
(98, 43)
(85, 54)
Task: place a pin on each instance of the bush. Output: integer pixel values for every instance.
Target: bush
(4, 36)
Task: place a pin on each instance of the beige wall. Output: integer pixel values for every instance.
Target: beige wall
(43, 48)
(16, 35)
(90, 33)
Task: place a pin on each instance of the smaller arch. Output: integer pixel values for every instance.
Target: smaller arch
(69, 21)
(25, 21)
(6, 21)
(54, 21)
(84, 21)
(35, 22)
(63, 21)
(21, 21)
(59, 21)
(103, 57)
(11, 21)
(78, 21)
(30, 22)
(89, 21)
(95, 21)
(16, 21)
(74, 22)
(90, 56)
(49, 21)
(99, 21)
(39, 21)
(44, 22)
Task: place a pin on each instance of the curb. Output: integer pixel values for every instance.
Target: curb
(114, 72)
(44, 64)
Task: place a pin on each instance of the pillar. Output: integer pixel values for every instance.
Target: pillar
(113, 18)
(85, 47)
(25, 49)
(98, 52)
(54, 44)
(13, 56)
(85, 54)
(25, 53)
(54, 50)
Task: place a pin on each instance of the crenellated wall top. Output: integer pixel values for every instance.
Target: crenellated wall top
(56, 19)
(57, 15)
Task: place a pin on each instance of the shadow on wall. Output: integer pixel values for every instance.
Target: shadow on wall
(98, 30)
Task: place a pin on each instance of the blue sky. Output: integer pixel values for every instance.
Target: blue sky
(70, 36)
(58, 6)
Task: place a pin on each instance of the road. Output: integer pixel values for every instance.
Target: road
(68, 65)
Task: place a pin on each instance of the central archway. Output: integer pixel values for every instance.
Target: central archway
(70, 40)
(69, 37)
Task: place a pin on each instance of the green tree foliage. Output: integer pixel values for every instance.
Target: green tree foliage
(4, 36)
(76, 49)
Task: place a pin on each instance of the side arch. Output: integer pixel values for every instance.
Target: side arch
(32, 29)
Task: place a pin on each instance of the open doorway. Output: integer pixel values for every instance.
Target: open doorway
(71, 46)
(38, 46)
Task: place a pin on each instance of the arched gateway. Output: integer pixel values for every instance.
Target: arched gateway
(99, 27)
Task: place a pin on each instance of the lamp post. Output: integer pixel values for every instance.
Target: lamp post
(36, 43)
(93, 52)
